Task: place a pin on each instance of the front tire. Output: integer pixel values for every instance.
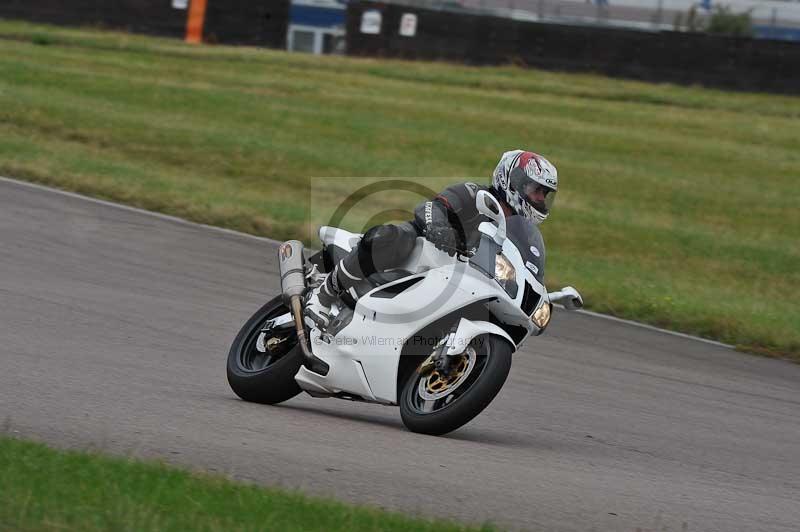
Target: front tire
(265, 377)
(431, 404)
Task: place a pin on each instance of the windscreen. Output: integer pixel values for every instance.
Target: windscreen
(528, 239)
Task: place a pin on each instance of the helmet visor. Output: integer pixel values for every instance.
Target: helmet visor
(539, 196)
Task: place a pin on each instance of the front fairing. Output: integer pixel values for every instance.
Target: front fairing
(524, 249)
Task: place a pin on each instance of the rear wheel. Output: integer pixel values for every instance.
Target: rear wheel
(435, 403)
(263, 360)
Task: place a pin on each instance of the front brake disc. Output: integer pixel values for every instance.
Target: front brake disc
(435, 385)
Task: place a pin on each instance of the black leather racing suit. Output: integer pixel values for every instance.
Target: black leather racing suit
(450, 221)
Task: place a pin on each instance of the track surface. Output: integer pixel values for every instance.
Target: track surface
(115, 326)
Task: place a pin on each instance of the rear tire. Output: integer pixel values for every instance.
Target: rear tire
(469, 398)
(263, 377)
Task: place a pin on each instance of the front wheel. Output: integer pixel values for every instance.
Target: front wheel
(263, 360)
(432, 403)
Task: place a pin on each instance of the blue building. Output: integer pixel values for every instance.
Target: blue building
(316, 26)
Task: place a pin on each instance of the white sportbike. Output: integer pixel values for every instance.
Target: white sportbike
(434, 336)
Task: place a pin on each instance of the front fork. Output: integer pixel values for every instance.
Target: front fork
(439, 360)
(457, 341)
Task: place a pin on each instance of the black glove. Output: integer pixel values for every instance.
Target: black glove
(443, 237)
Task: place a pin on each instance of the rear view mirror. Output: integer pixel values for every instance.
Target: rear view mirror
(489, 206)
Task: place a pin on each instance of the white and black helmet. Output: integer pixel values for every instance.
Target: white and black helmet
(527, 182)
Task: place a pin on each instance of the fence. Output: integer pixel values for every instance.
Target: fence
(155, 17)
(689, 58)
(771, 18)
(258, 23)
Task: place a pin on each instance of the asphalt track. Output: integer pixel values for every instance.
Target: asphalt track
(114, 326)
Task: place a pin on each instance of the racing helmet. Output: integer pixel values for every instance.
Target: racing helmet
(527, 182)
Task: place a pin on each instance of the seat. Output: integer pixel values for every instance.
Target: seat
(333, 236)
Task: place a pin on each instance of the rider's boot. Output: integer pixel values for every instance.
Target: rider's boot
(318, 306)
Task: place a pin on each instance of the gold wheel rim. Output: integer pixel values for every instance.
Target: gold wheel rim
(434, 385)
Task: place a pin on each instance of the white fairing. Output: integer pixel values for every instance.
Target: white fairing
(469, 330)
(364, 356)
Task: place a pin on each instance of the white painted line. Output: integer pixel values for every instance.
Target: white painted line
(654, 328)
(273, 241)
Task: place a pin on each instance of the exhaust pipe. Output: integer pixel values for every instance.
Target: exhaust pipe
(292, 267)
(293, 284)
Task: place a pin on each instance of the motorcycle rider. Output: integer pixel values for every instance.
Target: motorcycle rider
(524, 183)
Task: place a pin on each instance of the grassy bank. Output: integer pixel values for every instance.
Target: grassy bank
(677, 205)
(43, 489)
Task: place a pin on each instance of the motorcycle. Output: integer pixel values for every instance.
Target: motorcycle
(434, 336)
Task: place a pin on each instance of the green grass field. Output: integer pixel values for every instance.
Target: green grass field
(678, 206)
(47, 490)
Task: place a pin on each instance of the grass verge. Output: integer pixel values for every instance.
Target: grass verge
(677, 206)
(44, 489)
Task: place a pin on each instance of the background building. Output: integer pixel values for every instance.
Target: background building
(316, 26)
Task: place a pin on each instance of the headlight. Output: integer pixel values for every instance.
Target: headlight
(541, 317)
(506, 275)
